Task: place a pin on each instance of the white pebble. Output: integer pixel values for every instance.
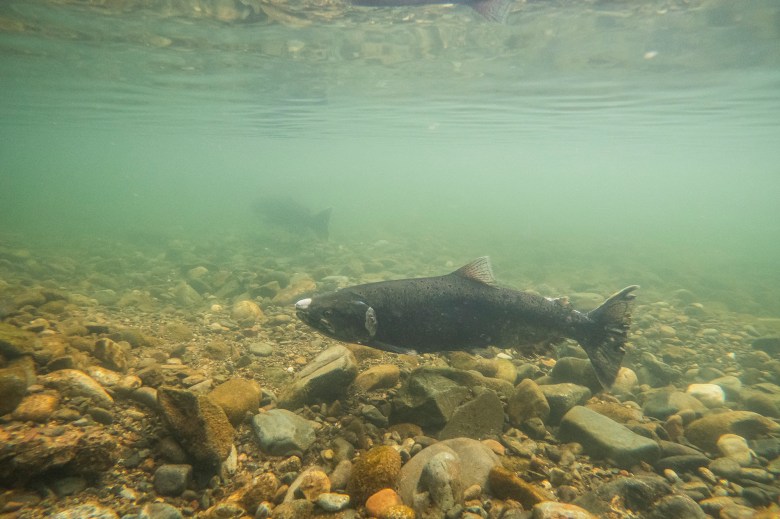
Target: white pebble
(711, 395)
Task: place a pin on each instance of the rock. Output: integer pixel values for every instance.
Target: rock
(324, 379)
(159, 511)
(260, 489)
(223, 511)
(563, 397)
(331, 502)
(504, 484)
(261, 349)
(731, 386)
(554, 510)
(736, 448)
(237, 397)
(246, 312)
(427, 399)
(383, 376)
(172, 480)
(376, 469)
(399, 512)
(711, 395)
(186, 296)
(90, 510)
(72, 382)
(439, 488)
(15, 342)
(576, 371)
(379, 502)
(481, 417)
(199, 424)
(682, 463)
(602, 437)
(626, 381)
(770, 345)
(637, 493)
(675, 507)
(527, 401)
(663, 403)
(339, 478)
(73, 452)
(15, 378)
(111, 354)
(308, 485)
(765, 404)
(476, 456)
(704, 432)
(726, 468)
(37, 407)
(282, 433)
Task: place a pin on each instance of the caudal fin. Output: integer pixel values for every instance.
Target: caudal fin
(605, 338)
(493, 10)
(320, 223)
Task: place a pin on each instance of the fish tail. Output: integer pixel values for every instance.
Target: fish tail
(606, 336)
(320, 223)
(493, 10)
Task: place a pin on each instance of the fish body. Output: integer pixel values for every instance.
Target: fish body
(290, 215)
(493, 10)
(465, 310)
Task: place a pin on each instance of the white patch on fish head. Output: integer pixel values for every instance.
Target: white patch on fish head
(303, 304)
(371, 321)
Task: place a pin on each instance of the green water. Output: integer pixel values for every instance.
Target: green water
(583, 144)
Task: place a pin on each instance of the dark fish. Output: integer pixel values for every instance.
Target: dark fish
(287, 213)
(466, 310)
(493, 10)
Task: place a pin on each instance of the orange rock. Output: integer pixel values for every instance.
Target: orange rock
(379, 502)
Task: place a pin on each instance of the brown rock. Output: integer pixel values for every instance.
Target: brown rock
(111, 354)
(15, 342)
(704, 432)
(398, 512)
(379, 502)
(506, 485)
(200, 425)
(376, 469)
(237, 397)
(383, 376)
(527, 401)
(14, 380)
(37, 407)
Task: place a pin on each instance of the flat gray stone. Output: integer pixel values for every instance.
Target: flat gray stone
(602, 437)
(562, 397)
(324, 379)
(282, 433)
(479, 418)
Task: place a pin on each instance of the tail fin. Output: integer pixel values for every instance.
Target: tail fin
(320, 223)
(604, 339)
(493, 10)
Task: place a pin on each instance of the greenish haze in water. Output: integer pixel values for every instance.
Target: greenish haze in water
(580, 140)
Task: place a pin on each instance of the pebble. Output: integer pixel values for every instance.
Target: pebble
(76, 383)
(379, 502)
(172, 480)
(281, 432)
(554, 510)
(159, 511)
(736, 448)
(332, 502)
(711, 395)
(93, 511)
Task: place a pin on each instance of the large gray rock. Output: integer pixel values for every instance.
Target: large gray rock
(770, 345)
(663, 403)
(475, 458)
(576, 371)
(562, 397)
(324, 379)
(15, 342)
(481, 417)
(439, 488)
(14, 380)
(602, 437)
(72, 382)
(282, 433)
(638, 494)
(427, 399)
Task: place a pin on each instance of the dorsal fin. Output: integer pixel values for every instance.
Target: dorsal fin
(478, 270)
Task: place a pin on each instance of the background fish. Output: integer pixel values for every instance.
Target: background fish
(287, 213)
(465, 310)
(493, 10)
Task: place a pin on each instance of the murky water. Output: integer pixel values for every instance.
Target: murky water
(573, 141)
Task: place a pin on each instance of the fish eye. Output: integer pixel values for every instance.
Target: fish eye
(327, 313)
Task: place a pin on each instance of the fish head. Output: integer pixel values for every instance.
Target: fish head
(339, 315)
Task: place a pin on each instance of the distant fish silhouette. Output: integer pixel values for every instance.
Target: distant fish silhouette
(493, 10)
(290, 215)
